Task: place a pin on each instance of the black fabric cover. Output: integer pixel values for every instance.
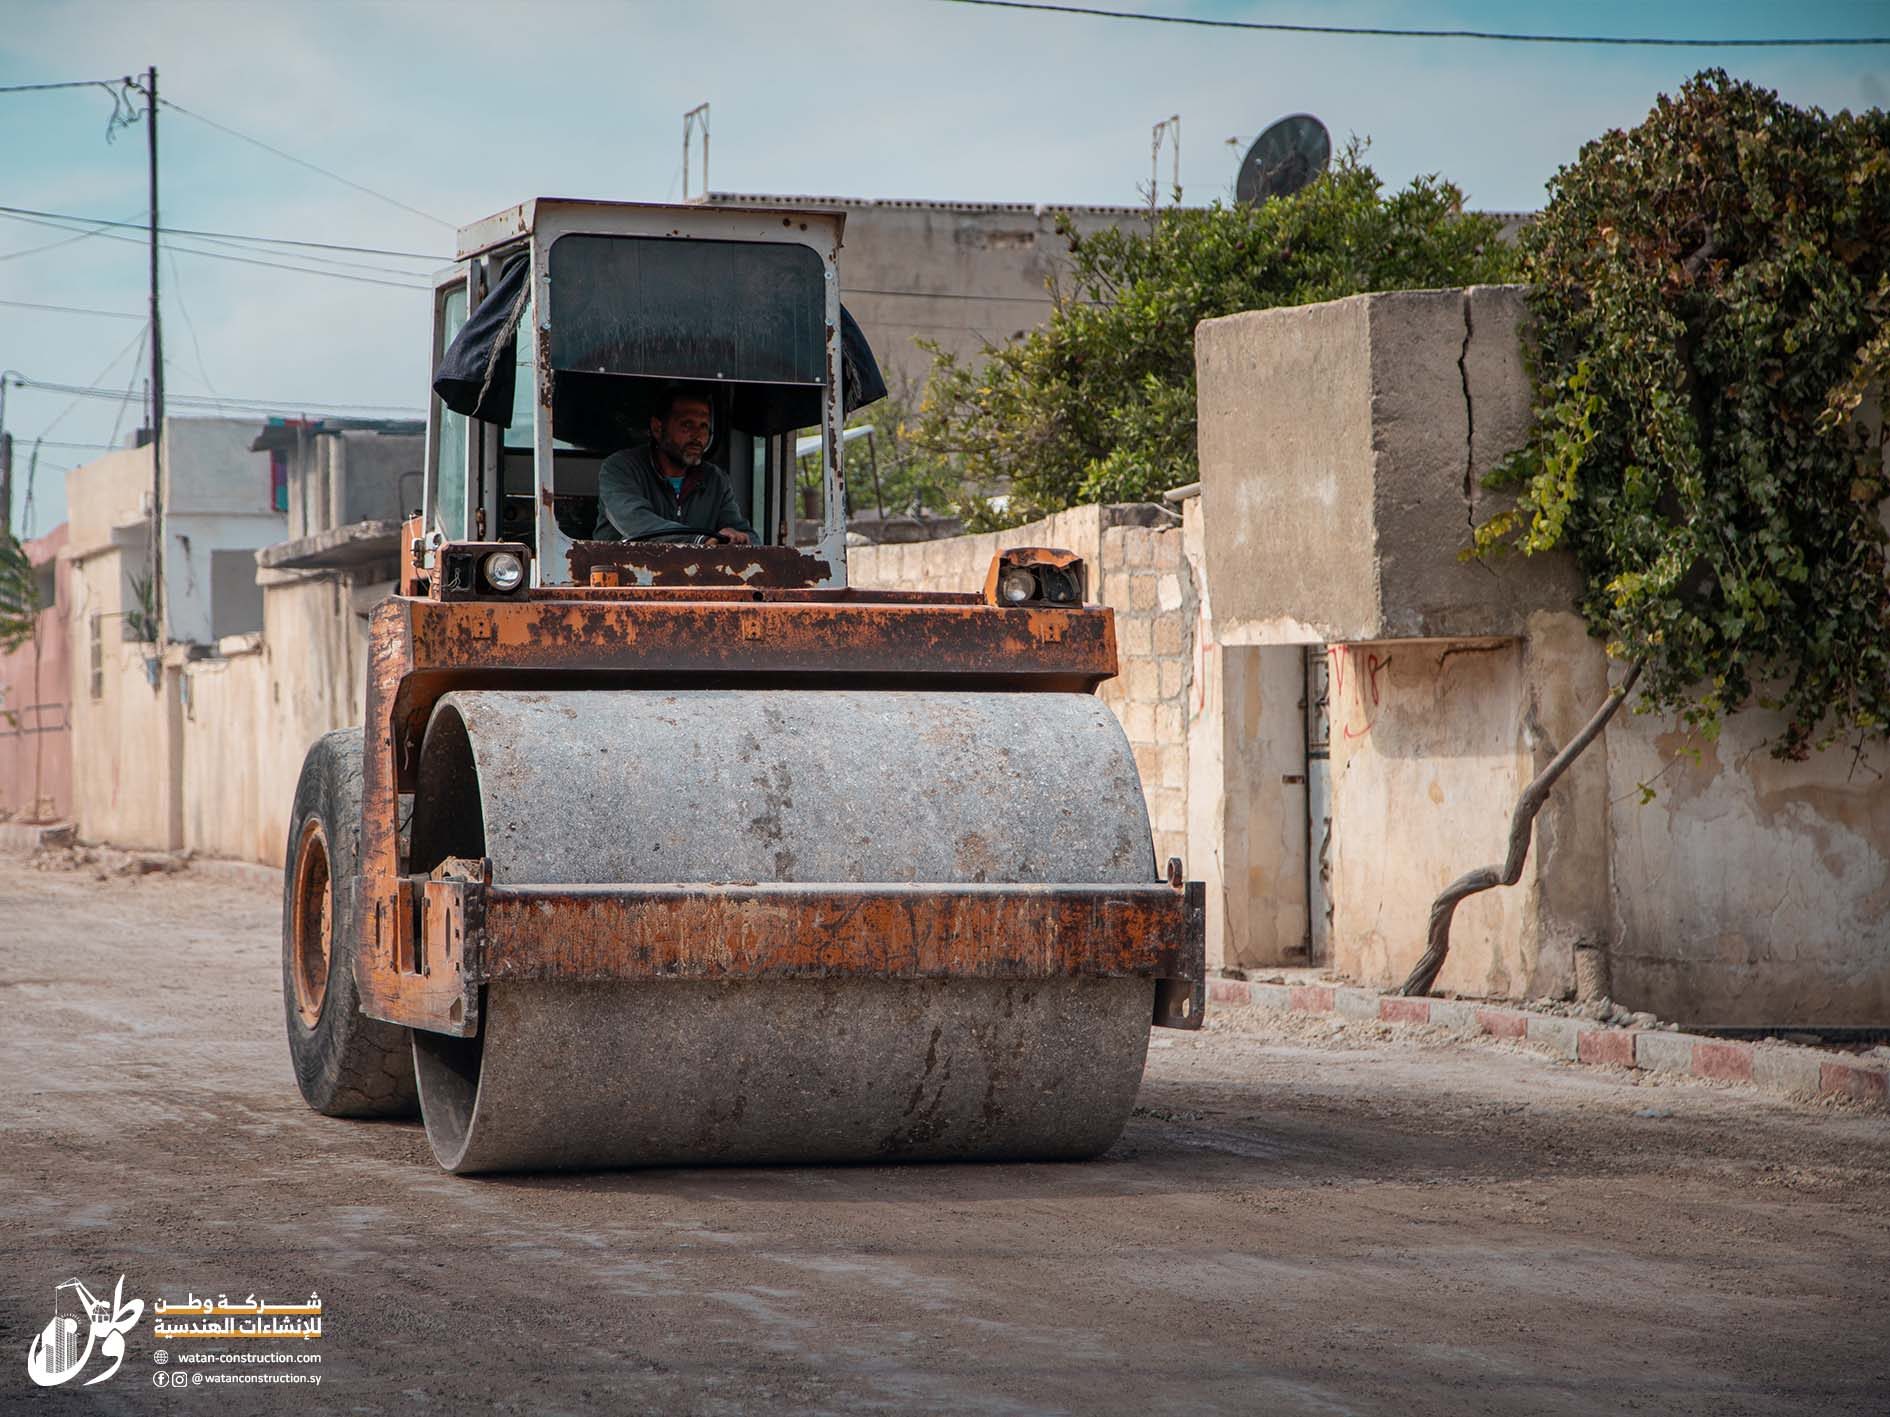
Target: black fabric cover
(479, 367)
(477, 371)
(861, 381)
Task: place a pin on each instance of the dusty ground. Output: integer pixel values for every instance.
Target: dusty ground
(1305, 1216)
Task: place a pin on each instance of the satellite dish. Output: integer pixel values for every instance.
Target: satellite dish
(1283, 159)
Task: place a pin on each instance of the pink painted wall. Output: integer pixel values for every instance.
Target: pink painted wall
(38, 724)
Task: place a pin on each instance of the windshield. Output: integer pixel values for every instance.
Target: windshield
(664, 307)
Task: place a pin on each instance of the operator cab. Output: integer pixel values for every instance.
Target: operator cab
(557, 332)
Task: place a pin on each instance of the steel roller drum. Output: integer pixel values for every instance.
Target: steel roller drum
(803, 786)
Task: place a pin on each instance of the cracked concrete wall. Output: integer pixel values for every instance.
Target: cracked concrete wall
(1342, 450)
(1432, 743)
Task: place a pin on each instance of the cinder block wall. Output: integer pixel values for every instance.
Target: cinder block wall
(1136, 569)
(1145, 579)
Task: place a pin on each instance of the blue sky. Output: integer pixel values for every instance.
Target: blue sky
(459, 109)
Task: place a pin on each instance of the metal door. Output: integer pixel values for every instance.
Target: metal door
(1318, 805)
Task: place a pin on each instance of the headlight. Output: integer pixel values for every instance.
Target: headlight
(504, 571)
(1017, 585)
(1059, 587)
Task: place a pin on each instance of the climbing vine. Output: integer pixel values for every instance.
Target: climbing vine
(1711, 310)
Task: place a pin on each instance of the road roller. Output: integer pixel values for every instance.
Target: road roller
(683, 851)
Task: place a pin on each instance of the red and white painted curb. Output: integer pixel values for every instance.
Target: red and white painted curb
(1774, 1067)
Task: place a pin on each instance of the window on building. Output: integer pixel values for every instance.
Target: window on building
(236, 601)
(97, 652)
(279, 479)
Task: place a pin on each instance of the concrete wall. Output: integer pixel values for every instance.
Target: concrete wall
(1749, 891)
(35, 700)
(228, 754)
(126, 745)
(1341, 447)
(132, 771)
(1139, 571)
(252, 710)
(1432, 743)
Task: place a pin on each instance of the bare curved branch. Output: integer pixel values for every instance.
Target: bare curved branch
(1521, 825)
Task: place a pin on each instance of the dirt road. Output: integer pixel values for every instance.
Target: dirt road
(1306, 1215)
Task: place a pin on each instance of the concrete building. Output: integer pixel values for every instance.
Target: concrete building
(35, 699)
(956, 273)
(127, 696)
(256, 706)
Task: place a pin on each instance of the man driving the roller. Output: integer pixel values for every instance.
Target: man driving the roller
(664, 490)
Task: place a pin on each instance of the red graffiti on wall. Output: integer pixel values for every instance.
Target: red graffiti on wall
(1356, 712)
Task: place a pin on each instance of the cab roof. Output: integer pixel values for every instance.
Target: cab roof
(683, 219)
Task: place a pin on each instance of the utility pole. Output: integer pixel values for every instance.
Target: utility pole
(157, 372)
(6, 460)
(6, 485)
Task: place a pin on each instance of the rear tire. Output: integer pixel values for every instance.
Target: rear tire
(346, 1064)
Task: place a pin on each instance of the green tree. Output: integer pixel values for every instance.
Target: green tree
(19, 595)
(1711, 310)
(898, 474)
(1098, 404)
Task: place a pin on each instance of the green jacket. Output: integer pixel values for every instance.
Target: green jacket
(635, 503)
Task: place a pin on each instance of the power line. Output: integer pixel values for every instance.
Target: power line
(411, 284)
(130, 385)
(226, 235)
(1497, 35)
(303, 162)
(209, 401)
(177, 288)
(55, 245)
(70, 84)
(21, 382)
(71, 310)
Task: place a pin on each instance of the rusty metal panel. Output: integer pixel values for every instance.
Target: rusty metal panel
(651, 563)
(785, 931)
(1053, 648)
